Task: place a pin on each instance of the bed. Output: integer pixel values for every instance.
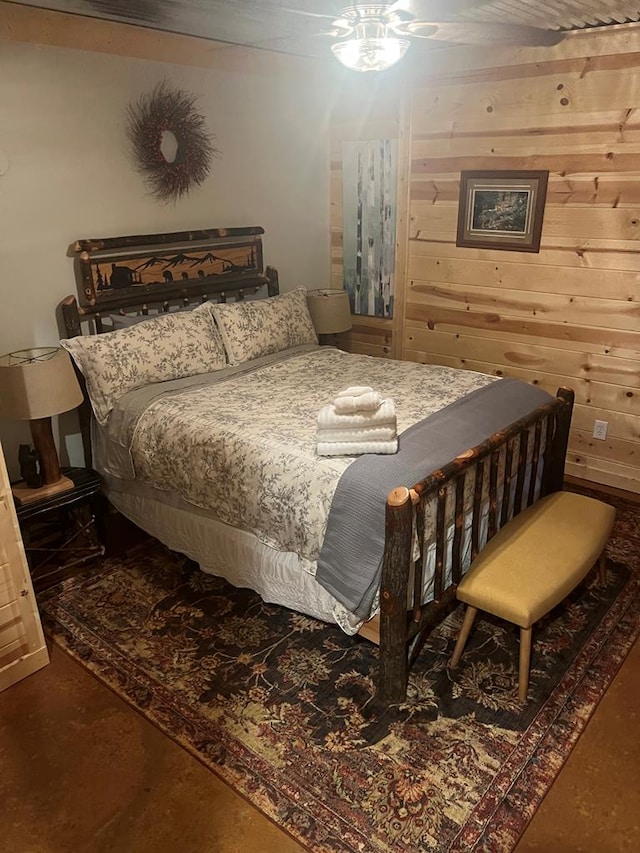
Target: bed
(202, 423)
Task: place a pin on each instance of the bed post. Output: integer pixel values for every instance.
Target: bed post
(554, 474)
(394, 665)
(273, 285)
(72, 328)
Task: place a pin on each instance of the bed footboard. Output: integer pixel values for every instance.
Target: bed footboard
(462, 505)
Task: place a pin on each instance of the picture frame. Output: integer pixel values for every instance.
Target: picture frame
(501, 209)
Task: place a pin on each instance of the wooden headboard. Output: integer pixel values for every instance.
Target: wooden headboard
(156, 273)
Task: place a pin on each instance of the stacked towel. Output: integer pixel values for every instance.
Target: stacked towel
(384, 415)
(358, 398)
(358, 421)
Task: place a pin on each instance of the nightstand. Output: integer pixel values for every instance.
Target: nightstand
(65, 530)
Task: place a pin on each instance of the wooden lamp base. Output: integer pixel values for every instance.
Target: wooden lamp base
(22, 494)
(53, 481)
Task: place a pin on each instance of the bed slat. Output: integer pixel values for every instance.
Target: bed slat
(535, 457)
(441, 532)
(522, 462)
(458, 530)
(493, 492)
(508, 473)
(477, 504)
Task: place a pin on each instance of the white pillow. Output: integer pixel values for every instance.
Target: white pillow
(252, 329)
(168, 346)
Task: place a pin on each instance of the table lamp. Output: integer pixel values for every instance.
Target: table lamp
(330, 312)
(36, 384)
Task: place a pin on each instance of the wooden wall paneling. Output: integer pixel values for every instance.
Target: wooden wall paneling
(612, 448)
(587, 49)
(535, 334)
(595, 367)
(574, 189)
(436, 317)
(585, 252)
(537, 97)
(621, 425)
(496, 126)
(622, 284)
(570, 313)
(607, 397)
(370, 336)
(598, 470)
(559, 221)
(609, 314)
(583, 140)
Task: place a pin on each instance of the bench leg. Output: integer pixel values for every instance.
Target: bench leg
(467, 624)
(525, 662)
(602, 570)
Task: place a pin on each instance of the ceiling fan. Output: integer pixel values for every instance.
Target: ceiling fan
(374, 36)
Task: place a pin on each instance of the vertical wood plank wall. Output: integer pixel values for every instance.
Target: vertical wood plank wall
(570, 314)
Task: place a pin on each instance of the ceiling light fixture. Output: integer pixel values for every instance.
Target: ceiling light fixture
(372, 44)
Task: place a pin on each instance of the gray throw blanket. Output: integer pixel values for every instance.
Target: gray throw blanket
(350, 562)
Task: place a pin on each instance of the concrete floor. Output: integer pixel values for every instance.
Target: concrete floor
(81, 771)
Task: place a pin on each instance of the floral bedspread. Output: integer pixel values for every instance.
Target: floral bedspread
(244, 445)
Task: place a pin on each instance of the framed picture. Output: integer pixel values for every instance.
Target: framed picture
(501, 210)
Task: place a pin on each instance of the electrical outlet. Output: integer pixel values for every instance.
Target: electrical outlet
(600, 429)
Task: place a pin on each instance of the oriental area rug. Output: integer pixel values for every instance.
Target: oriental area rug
(281, 706)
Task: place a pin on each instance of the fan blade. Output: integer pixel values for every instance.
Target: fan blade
(334, 27)
(460, 32)
(324, 16)
(434, 10)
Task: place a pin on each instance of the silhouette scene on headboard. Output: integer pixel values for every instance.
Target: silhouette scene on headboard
(157, 262)
(158, 269)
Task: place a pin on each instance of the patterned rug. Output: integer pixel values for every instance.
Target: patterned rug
(281, 706)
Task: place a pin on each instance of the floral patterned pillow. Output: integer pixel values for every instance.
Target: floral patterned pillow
(252, 329)
(169, 346)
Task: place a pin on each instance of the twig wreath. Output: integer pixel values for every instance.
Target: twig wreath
(171, 110)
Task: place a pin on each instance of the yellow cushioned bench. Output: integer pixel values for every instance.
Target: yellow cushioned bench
(534, 562)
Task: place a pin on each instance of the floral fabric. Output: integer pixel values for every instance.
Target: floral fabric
(245, 447)
(253, 329)
(165, 347)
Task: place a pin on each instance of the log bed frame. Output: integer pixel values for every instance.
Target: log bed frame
(473, 481)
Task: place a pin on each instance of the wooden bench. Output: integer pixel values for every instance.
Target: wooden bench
(534, 562)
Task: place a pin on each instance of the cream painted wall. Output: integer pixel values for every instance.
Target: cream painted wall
(70, 176)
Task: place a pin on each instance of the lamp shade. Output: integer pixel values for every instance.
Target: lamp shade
(37, 383)
(330, 311)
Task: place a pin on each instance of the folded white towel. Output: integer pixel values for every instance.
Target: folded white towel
(375, 433)
(384, 415)
(368, 402)
(354, 391)
(355, 448)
